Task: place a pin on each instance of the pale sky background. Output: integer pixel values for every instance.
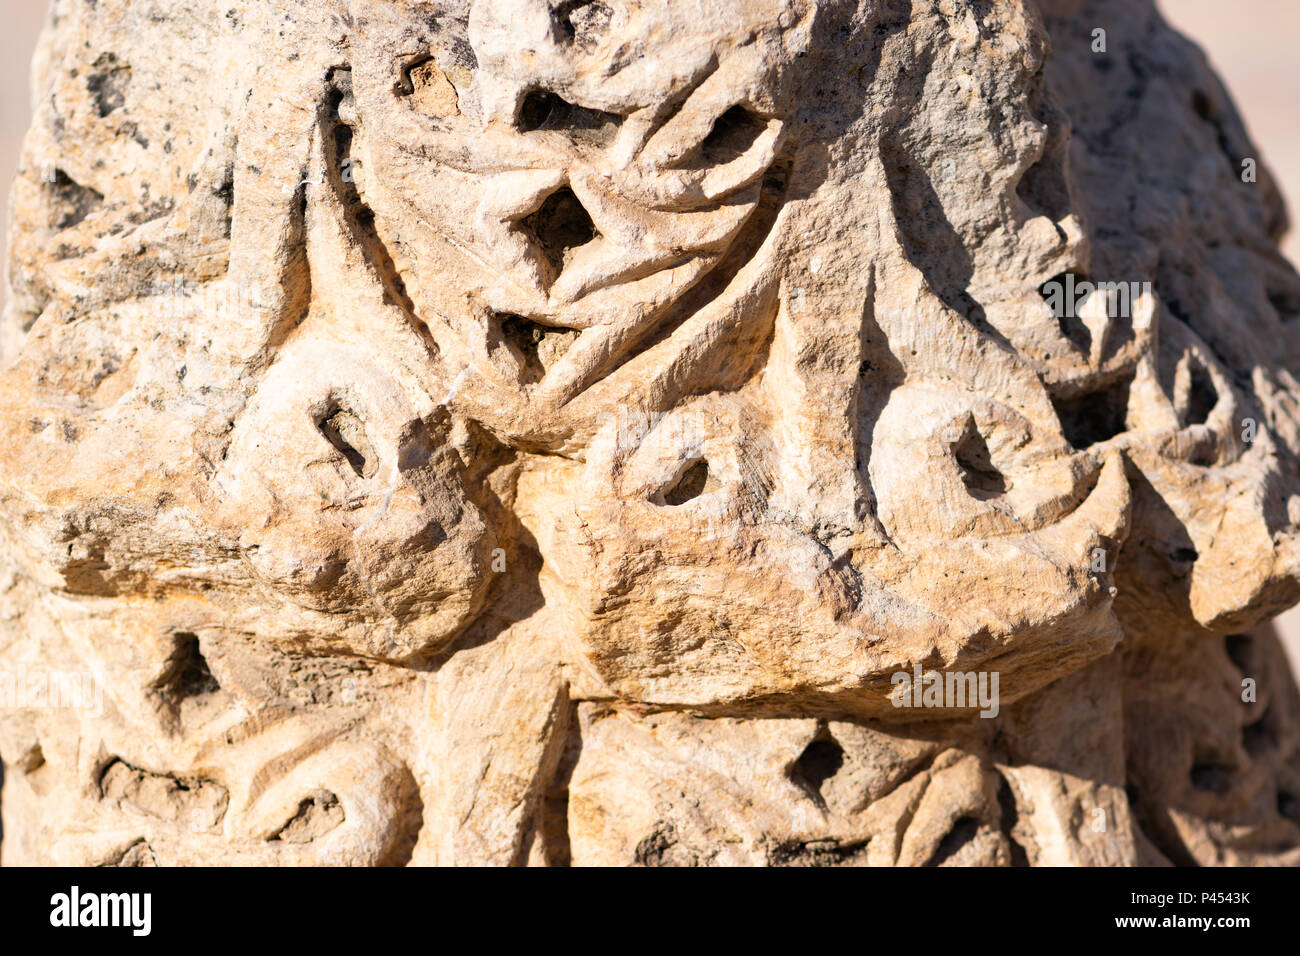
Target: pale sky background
(1252, 44)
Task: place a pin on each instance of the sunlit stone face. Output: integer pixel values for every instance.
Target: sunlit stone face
(612, 399)
(624, 226)
(582, 169)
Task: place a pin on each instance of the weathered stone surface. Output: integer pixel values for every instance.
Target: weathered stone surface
(521, 432)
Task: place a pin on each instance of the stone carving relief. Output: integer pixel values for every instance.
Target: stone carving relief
(532, 432)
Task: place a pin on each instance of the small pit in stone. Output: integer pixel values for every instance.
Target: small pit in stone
(69, 201)
(107, 84)
(1285, 302)
(318, 813)
(1211, 777)
(690, 484)
(732, 135)
(819, 762)
(542, 110)
(1288, 805)
(428, 89)
(1239, 649)
(978, 473)
(33, 760)
(1059, 292)
(138, 854)
(538, 346)
(1044, 187)
(345, 431)
(963, 832)
(582, 22)
(186, 674)
(1202, 396)
(559, 227)
(1261, 737)
(1095, 416)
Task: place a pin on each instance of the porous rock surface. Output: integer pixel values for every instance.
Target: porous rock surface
(534, 432)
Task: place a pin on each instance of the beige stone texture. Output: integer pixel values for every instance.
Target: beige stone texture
(517, 432)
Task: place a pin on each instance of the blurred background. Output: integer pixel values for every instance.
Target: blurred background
(1251, 43)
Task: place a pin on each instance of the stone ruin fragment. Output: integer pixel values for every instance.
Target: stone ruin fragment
(585, 432)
